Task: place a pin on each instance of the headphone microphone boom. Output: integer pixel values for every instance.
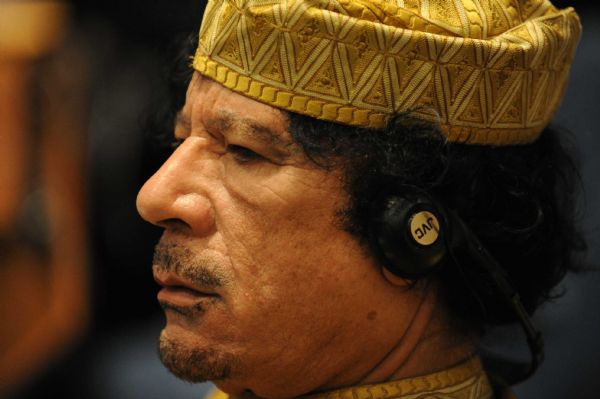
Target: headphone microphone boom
(411, 233)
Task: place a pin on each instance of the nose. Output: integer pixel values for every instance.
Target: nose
(175, 197)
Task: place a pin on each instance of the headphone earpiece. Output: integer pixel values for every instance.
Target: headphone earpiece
(407, 232)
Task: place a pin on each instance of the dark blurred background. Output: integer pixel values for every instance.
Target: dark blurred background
(129, 48)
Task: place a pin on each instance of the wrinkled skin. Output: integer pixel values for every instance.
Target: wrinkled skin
(299, 306)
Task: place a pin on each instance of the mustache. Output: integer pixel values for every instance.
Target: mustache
(180, 260)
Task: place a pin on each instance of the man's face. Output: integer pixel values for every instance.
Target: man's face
(264, 290)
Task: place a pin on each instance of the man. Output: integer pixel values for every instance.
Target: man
(337, 166)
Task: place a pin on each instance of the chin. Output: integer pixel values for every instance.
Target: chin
(189, 360)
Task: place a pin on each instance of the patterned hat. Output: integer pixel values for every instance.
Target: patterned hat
(487, 71)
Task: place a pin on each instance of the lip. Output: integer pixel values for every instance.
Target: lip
(170, 280)
(182, 297)
(180, 292)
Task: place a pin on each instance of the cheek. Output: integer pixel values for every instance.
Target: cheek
(294, 268)
(292, 262)
(280, 217)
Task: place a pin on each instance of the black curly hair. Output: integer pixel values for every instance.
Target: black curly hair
(520, 201)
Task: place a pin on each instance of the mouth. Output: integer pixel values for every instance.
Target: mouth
(182, 294)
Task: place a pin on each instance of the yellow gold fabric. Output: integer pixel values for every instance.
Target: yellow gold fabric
(30, 29)
(465, 381)
(487, 71)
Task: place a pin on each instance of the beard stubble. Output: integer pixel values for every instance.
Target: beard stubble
(189, 362)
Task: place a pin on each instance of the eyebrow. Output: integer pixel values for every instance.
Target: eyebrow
(253, 130)
(226, 120)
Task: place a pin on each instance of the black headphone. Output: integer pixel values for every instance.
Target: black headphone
(411, 232)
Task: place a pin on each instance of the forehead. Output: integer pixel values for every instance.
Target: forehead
(207, 100)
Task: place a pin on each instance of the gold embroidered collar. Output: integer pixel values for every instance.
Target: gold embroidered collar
(464, 381)
(467, 380)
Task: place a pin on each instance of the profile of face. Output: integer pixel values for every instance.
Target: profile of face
(263, 290)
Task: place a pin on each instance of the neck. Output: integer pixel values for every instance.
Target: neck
(427, 346)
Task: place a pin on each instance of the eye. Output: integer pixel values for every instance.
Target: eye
(164, 142)
(174, 143)
(243, 154)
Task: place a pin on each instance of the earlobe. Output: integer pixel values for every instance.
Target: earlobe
(393, 279)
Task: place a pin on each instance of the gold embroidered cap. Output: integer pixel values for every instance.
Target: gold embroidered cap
(487, 71)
